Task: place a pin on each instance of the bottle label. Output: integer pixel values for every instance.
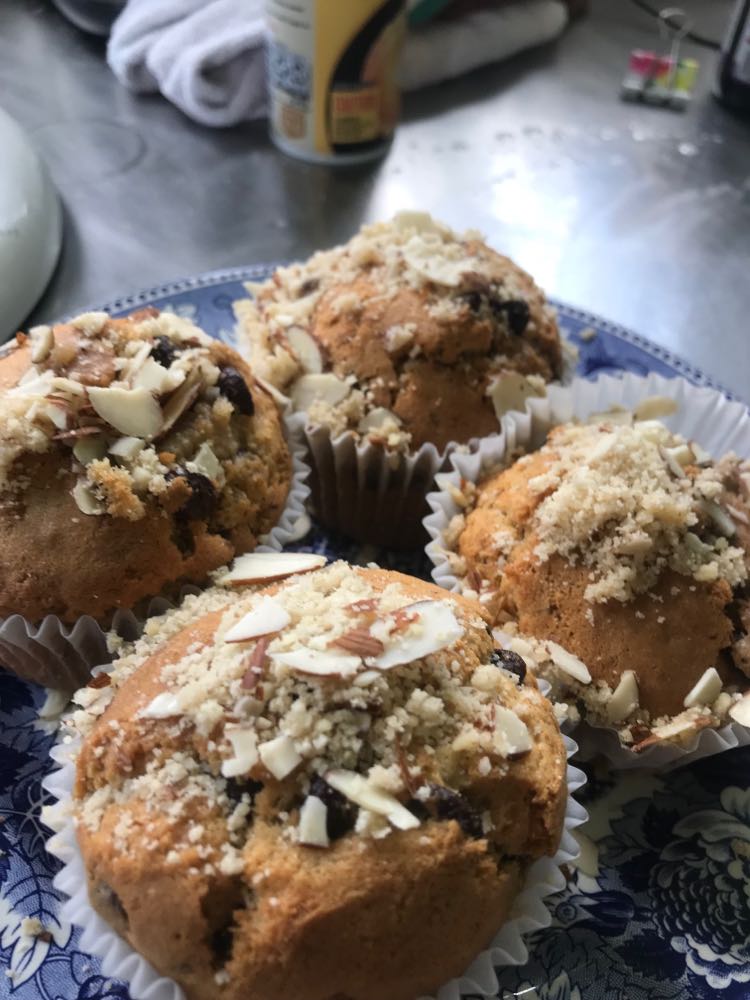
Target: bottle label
(332, 74)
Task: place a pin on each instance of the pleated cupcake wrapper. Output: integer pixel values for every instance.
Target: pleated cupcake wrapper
(366, 492)
(703, 415)
(373, 495)
(120, 961)
(61, 656)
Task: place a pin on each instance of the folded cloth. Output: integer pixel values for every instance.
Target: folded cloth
(207, 56)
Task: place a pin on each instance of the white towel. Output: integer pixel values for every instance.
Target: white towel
(206, 56)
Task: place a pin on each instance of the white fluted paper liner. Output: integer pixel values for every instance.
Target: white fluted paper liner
(718, 424)
(120, 961)
(61, 656)
(288, 527)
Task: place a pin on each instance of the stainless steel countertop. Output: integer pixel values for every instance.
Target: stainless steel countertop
(641, 215)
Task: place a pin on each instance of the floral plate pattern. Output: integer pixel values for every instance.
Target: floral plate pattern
(658, 907)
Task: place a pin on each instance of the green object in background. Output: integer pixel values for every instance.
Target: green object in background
(424, 11)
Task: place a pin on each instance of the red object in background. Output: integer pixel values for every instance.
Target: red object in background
(648, 64)
(733, 78)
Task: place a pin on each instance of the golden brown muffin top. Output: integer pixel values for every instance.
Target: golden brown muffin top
(343, 701)
(408, 334)
(123, 403)
(629, 547)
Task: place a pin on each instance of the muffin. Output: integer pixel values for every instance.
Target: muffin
(625, 549)
(331, 787)
(136, 455)
(409, 337)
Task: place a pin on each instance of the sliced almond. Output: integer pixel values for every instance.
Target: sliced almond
(279, 756)
(696, 545)
(132, 365)
(33, 384)
(164, 706)
(319, 663)
(568, 663)
(207, 464)
(702, 457)
(67, 386)
(276, 395)
(245, 746)
(604, 445)
(672, 462)
(364, 794)
(720, 517)
(181, 400)
(86, 501)
(306, 349)
(89, 449)
(325, 388)
(156, 378)
(268, 617)
(510, 390)
(740, 711)
(616, 417)
(706, 690)
(434, 628)
(670, 730)
(126, 447)
(366, 678)
(133, 412)
(514, 643)
(263, 567)
(42, 341)
(736, 514)
(313, 822)
(359, 642)
(624, 700)
(422, 222)
(56, 413)
(421, 258)
(511, 735)
(654, 407)
(377, 420)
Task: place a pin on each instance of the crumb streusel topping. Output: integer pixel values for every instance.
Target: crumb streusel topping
(458, 277)
(632, 504)
(628, 500)
(354, 704)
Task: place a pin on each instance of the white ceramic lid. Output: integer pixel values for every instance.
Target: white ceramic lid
(30, 226)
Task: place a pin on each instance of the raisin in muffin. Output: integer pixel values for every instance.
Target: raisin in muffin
(333, 787)
(408, 336)
(625, 548)
(134, 454)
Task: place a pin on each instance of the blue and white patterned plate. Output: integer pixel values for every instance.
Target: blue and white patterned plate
(657, 909)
